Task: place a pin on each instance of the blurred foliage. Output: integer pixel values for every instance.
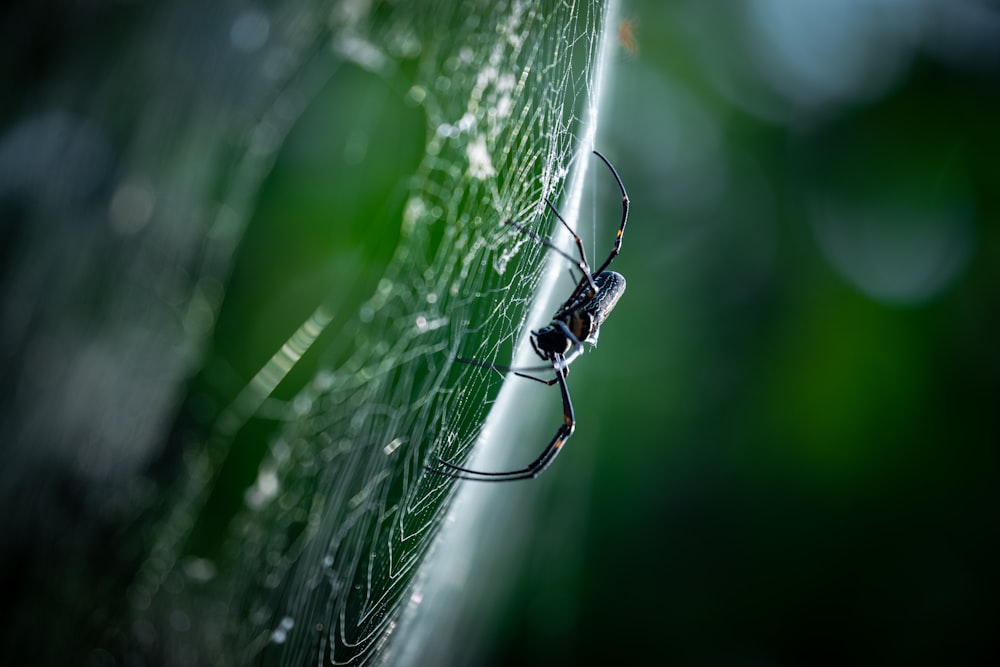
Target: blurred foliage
(786, 445)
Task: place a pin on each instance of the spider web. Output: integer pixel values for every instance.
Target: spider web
(342, 512)
(321, 562)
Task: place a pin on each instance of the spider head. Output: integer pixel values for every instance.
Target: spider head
(551, 340)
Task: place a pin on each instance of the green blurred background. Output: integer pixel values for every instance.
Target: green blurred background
(787, 442)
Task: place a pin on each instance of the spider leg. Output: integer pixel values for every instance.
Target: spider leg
(583, 265)
(534, 468)
(547, 383)
(576, 237)
(576, 348)
(501, 367)
(558, 362)
(580, 264)
(621, 227)
(576, 297)
(520, 372)
(548, 244)
(534, 346)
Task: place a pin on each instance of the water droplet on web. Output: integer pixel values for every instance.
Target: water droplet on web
(131, 207)
(280, 634)
(417, 94)
(180, 621)
(250, 31)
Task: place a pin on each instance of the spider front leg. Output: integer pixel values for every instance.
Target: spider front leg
(583, 264)
(535, 468)
(580, 264)
(557, 360)
(574, 350)
(616, 248)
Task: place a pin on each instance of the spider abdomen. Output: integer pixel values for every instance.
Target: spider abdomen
(611, 286)
(585, 322)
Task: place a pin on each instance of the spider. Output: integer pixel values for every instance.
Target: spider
(577, 321)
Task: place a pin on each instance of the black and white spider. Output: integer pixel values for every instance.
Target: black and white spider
(577, 321)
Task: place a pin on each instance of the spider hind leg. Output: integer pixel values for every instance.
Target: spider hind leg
(533, 469)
